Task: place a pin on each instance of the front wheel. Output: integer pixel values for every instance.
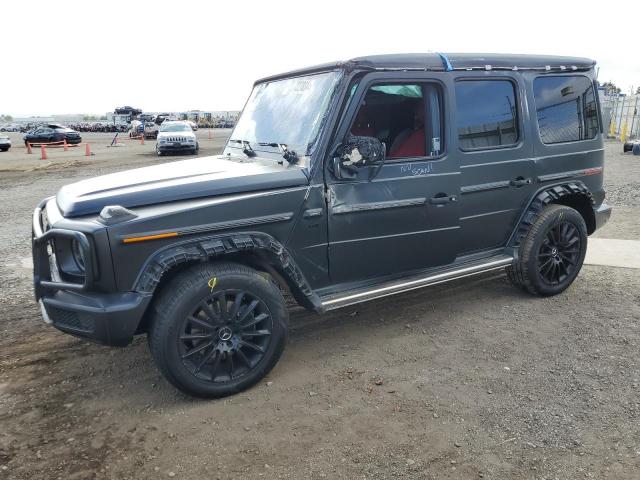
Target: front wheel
(551, 255)
(217, 329)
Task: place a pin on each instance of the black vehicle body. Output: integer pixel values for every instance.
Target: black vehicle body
(331, 239)
(51, 134)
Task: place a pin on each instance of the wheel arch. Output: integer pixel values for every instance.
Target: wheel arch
(571, 194)
(257, 250)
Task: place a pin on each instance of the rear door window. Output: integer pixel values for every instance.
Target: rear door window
(566, 108)
(486, 114)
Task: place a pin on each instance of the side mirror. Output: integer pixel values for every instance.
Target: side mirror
(358, 152)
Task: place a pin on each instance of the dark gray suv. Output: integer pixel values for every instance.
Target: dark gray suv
(340, 183)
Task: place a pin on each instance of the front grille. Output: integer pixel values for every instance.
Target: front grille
(71, 320)
(176, 139)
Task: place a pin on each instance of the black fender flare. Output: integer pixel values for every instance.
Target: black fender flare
(220, 246)
(543, 197)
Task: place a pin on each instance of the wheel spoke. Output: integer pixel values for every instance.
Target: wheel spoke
(206, 358)
(222, 305)
(230, 357)
(235, 309)
(251, 345)
(567, 259)
(257, 333)
(250, 308)
(197, 349)
(244, 358)
(200, 323)
(210, 312)
(198, 336)
(545, 266)
(214, 365)
(257, 319)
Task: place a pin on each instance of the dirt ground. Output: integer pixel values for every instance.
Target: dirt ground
(471, 379)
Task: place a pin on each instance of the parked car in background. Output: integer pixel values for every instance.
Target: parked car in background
(632, 146)
(176, 136)
(193, 125)
(151, 130)
(52, 133)
(10, 127)
(137, 128)
(5, 143)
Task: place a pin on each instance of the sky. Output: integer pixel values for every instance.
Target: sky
(93, 56)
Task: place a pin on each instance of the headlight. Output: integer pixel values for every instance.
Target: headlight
(78, 256)
(162, 140)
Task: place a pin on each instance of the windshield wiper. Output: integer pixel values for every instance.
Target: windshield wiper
(289, 155)
(246, 147)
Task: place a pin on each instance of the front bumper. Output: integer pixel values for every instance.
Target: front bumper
(602, 214)
(172, 147)
(106, 318)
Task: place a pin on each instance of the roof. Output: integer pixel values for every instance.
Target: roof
(448, 62)
(464, 61)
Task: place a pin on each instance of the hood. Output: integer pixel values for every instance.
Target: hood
(195, 178)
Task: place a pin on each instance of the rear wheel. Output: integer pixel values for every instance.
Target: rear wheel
(551, 255)
(218, 329)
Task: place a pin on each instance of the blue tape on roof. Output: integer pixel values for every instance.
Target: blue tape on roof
(447, 63)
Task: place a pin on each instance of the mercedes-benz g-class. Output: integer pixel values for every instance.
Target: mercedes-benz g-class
(340, 183)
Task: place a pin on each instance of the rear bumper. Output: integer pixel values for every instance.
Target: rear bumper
(108, 319)
(602, 214)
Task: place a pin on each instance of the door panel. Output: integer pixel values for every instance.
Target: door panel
(391, 225)
(495, 160)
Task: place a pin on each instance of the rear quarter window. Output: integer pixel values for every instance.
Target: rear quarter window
(566, 108)
(486, 114)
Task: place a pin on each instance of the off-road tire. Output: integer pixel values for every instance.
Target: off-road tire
(525, 273)
(206, 283)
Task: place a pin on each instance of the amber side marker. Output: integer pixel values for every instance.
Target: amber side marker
(150, 237)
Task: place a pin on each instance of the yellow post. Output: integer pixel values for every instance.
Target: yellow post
(623, 132)
(612, 128)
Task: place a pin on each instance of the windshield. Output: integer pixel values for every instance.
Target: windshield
(174, 127)
(288, 111)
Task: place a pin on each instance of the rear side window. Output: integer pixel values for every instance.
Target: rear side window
(486, 114)
(566, 108)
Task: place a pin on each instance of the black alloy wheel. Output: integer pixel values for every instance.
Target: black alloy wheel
(225, 336)
(559, 253)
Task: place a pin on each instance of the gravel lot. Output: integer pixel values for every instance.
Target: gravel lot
(471, 379)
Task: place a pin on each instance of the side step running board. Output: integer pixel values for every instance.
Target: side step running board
(411, 283)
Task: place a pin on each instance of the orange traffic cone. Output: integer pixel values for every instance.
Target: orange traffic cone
(87, 150)
(64, 143)
(43, 152)
(28, 148)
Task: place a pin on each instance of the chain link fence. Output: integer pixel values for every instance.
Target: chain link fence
(621, 115)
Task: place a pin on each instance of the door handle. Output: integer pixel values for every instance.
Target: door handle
(520, 182)
(441, 200)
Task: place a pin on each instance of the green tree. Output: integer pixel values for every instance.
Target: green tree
(611, 87)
